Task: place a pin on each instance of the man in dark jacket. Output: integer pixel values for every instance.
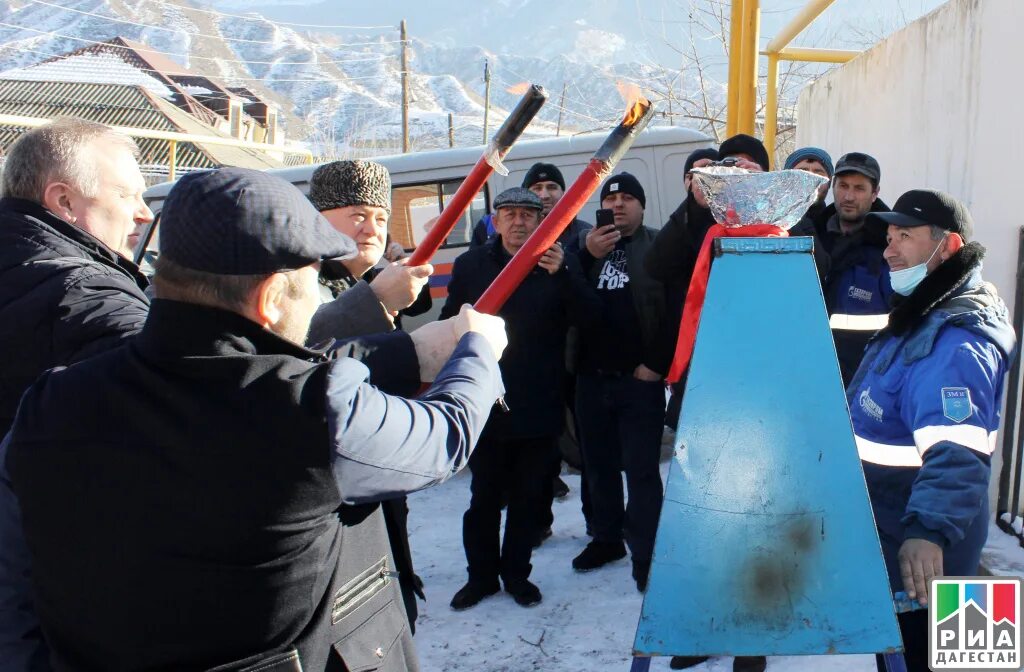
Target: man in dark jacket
(211, 457)
(545, 180)
(856, 287)
(70, 214)
(517, 447)
(620, 399)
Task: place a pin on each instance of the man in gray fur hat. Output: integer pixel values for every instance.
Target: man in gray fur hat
(355, 197)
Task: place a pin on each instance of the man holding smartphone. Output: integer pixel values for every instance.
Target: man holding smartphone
(620, 399)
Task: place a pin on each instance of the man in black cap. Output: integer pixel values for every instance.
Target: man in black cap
(198, 474)
(925, 403)
(620, 399)
(518, 446)
(856, 283)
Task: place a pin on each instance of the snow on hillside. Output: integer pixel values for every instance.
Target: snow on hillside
(340, 91)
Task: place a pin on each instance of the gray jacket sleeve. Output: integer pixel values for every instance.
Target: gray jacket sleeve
(356, 312)
(385, 446)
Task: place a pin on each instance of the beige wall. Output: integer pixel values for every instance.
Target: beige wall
(940, 104)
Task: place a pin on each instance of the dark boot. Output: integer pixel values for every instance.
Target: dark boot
(524, 593)
(684, 662)
(749, 664)
(470, 595)
(542, 536)
(598, 554)
(640, 571)
(560, 488)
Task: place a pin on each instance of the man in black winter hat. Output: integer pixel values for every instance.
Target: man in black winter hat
(216, 458)
(620, 401)
(748, 149)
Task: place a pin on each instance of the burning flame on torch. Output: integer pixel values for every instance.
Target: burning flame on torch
(519, 89)
(636, 104)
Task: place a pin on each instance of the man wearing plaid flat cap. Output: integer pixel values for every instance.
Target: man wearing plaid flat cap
(213, 471)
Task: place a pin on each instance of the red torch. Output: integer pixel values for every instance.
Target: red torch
(531, 102)
(600, 167)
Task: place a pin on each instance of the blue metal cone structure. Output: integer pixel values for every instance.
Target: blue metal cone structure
(766, 543)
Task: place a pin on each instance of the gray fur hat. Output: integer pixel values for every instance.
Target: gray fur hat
(518, 197)
(342, 183)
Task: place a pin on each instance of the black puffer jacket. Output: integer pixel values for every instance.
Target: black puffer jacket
(64, 296)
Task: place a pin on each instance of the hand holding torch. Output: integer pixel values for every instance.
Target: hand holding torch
(600, 167)
(517, 121)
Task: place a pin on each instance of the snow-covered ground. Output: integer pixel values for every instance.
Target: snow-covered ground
(586, 621)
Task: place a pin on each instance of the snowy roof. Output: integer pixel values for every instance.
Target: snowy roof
(96, 68)
(125, 106)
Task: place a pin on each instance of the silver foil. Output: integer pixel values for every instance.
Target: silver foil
(739, 197)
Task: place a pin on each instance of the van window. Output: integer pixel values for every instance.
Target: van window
(412, 206)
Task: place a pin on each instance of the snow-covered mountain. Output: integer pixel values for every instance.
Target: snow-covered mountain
(341, 92)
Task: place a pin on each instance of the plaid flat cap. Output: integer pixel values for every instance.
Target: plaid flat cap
(238, 221)
(342, 183)
(518, 197)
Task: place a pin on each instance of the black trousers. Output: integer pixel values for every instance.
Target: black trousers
(914, 629)
(522, 469)
(621, 421)
(547, 517)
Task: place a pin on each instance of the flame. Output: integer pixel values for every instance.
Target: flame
(629, 91)
(519, 89)
(635, 111)
(636, 104)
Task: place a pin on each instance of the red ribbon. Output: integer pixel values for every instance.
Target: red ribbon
(699, 287)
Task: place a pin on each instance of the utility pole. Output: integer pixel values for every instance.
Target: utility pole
(451, 130)
(405, 90)
(487, 96)
(561, 108)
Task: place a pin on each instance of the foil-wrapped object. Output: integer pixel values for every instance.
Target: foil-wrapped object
(739, 197)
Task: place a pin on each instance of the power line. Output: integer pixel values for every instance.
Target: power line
(171, 30)
(260, 17)
(149, 49)
(228, 79)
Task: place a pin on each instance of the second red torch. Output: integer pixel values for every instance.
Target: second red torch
(600, 167)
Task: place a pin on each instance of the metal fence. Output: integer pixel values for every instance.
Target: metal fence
(1008, 507)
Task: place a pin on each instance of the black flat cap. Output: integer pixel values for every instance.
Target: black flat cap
(859, 162)
(238, 221)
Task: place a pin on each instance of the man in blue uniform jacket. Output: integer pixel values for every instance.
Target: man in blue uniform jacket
(200, 491)
(925, 402)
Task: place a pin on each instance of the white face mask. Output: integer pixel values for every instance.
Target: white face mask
(905, 281)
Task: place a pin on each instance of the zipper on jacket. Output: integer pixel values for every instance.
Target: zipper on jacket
(359, 590)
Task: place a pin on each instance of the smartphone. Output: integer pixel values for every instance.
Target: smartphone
(605, 217)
